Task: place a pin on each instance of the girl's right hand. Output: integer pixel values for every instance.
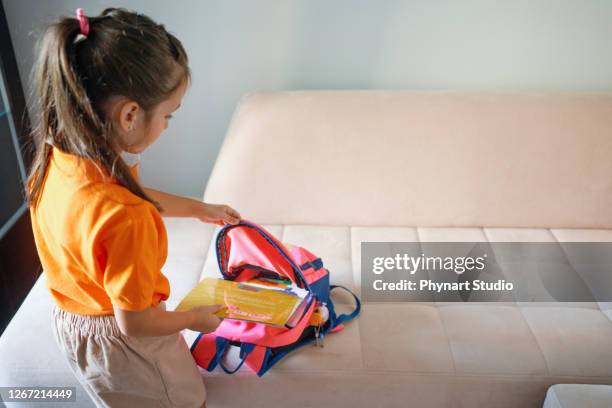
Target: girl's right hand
(203, 320)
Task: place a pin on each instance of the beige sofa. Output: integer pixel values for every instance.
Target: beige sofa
(331, 169)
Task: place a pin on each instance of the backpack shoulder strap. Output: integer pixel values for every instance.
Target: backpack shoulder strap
(346, 317)
(245, 350)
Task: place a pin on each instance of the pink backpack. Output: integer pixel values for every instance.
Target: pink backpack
(246, 250)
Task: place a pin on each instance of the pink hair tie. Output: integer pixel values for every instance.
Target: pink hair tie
(83, 22)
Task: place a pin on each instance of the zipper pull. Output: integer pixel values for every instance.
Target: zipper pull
(319, 317)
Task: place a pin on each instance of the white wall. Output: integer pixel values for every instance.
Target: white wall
(238, 46)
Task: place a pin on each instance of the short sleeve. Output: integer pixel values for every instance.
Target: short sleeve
(131, 263)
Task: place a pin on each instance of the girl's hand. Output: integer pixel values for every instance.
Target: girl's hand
(203, 319)
(219, 214)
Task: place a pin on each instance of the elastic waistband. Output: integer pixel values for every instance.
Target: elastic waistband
(86, 325)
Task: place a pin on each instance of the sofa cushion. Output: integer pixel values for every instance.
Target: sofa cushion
(429, 354)
(474, 354)
(427, 158)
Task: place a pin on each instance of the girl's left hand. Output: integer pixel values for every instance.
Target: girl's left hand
(219, 214)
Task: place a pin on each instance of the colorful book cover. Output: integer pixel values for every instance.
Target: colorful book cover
(243, 301)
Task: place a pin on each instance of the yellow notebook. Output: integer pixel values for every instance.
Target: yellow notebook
(244, 301)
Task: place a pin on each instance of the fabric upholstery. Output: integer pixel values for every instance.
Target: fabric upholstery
(419, 158)
(430, 354)
(328, 170)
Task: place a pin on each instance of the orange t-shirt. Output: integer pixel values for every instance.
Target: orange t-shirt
(99, 244)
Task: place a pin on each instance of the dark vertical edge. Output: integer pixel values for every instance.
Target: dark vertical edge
(19, 263)
(14, 89)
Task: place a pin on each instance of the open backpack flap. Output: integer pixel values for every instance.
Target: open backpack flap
(245, 251)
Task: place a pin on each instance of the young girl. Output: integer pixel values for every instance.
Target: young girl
(107, 87)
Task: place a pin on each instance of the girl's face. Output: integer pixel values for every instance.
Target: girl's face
(138, 132)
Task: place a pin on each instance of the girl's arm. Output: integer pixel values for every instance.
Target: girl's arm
(176, 206)
(158, 322)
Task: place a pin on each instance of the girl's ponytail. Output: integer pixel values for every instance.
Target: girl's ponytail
(123, 54)
(65, 110)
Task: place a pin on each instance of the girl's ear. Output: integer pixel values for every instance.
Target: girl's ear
(130, 119)
(128, 115)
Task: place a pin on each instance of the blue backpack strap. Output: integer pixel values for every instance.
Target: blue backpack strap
(220, 346)
(245, 350)
(269, 361)
(346, 317)
(315, 264)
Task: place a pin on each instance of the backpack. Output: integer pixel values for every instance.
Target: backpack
(246, 250)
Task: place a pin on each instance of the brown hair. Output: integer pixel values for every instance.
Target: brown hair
(124, 54)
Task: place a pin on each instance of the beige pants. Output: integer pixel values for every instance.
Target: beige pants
(124, 371)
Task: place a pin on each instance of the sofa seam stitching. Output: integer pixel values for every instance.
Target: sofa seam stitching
(443, 324)
(350, 231)
(535, 338)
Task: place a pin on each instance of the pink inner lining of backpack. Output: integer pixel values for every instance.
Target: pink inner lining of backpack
(245, 245)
